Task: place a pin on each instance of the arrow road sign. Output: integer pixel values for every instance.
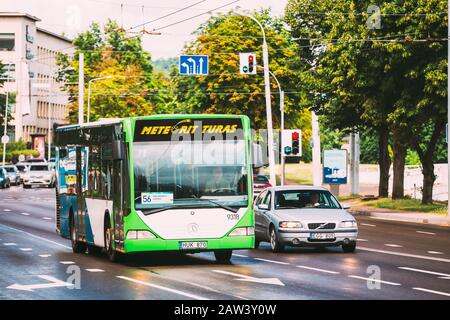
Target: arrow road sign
(193, 65)
(54, 283)
(274, 281)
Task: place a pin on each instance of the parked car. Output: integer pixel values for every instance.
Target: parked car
(260, 182)
(22, 167)
(39, 174)
(13, 174)
(4, 179)
(303, 216)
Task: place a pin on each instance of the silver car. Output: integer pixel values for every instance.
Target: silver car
(303, 216)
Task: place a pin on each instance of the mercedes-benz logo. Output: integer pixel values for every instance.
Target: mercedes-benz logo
(193, 228)
(192, 213)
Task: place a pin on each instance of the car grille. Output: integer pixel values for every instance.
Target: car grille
(328, 226)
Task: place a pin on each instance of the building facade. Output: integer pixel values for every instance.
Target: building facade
(29, 53)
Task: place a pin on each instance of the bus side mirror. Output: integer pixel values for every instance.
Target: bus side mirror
(118, 150)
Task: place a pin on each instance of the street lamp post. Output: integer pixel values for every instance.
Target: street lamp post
(268, 101)
(5, 129)
(89, 94)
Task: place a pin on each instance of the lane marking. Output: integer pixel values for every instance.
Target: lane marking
(433, 291)
(272, 261)
(53, 284)
(182, 293)
(26, 249)
(435, 252)
(45, 255)
(7, 210)
(274, 281)
(239, 255)
(317, 269)
(425, 271)
(67, 262)
(37, 237)
(429, 233)
(47, 218)
(368, 225)
(375, 280)
(393, 245)
(9, 244)
(362, 240)
(404, 254)
(24, 213)
(95, 270)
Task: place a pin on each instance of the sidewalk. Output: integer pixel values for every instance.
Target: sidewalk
(402, 216)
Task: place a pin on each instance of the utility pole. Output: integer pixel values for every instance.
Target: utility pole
(448, 107)
(81, 88)
(283, 159)
(317, 167)
(5, 129)
(354, 162)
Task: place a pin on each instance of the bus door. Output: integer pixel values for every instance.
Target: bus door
(118, 203)
(81, 187)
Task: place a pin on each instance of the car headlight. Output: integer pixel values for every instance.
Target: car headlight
(139, 234)
(347, 224)
(242, 231)
(291, 224)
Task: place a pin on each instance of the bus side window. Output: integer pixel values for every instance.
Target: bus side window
(106, 179)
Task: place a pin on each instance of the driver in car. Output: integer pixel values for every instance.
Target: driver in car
(217, 183)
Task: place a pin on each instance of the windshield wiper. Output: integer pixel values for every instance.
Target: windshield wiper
(168, 208)
(234, 210)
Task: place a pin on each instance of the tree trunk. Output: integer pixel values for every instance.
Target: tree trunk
(384, 161)
(399, 149)
(428, 182)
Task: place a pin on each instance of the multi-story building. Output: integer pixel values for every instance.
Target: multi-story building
(29, 53)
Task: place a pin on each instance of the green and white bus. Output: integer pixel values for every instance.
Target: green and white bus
(156, 183)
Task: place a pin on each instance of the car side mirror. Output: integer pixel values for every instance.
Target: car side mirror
(263, 206)
(345, 206)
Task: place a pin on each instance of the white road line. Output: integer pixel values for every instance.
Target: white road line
(433, 291)
(37, 237)
(425, 271)
(26, 249)
(424, 232)
(393, 245)
(95, 270)
(362, 240)
(45, 255)
(239, 255)
(7, 210)
(9, 244)
(272, 261)
(375, 280)
(404, 254)
(47, 218)
(317, 269)
(368, 224)
(67, 262)
(435, 252)
(182, 293)
(24, 214)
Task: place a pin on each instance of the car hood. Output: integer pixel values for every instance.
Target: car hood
(314, 215)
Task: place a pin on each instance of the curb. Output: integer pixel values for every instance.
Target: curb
(439, 221)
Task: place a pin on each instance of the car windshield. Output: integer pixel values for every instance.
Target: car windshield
(21, 168)
(38, 168)
(163, 175)
(292, 199)
(261, 179)
(10, 169)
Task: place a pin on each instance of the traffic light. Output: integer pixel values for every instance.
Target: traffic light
(250, 63)
(295, 143)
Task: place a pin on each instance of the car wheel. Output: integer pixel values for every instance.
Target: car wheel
(112, 254)
(77, 246)
(257, 243)
(275, 244)
(348, 248)
(26, 186)
(223, 256)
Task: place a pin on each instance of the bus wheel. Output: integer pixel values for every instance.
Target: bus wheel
(223, 256)
(112, 254)
(94, 250)
(77, 246)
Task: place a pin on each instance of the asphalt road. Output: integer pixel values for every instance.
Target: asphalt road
(392, 261)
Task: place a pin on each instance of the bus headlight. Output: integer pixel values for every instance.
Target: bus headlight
(139, 234)
(242, 231)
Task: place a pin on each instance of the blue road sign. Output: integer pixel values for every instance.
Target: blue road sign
(194, 65)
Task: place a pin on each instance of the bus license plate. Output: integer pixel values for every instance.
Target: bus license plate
(322, 236)
(193, 245)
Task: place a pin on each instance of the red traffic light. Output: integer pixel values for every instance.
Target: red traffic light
(250, 58)
(295, 135)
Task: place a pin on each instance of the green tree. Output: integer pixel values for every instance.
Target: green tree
(132, 88)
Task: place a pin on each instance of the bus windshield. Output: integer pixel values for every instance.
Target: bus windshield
(190, 173)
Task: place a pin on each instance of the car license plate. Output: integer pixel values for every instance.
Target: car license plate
(193, 245)
(322, 236)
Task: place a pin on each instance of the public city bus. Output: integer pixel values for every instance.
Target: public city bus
(156, 183)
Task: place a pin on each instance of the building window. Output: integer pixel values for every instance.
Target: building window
(9, 71)
(7, 41)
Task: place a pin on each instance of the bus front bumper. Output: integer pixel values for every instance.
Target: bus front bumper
(230, 243)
